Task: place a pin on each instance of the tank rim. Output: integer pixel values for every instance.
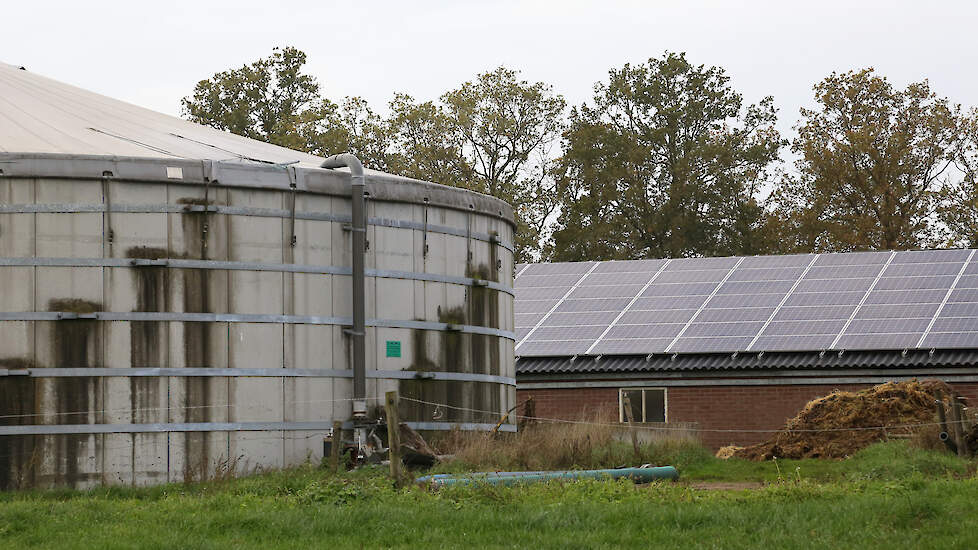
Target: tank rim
(244, 174)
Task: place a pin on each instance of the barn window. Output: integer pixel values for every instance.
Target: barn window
(643, 404)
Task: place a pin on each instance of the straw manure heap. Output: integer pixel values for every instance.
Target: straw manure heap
(893, 405)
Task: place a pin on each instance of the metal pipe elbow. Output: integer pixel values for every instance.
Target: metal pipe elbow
(344, 160)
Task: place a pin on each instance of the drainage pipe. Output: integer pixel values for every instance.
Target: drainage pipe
(359, 230)
(638, 475)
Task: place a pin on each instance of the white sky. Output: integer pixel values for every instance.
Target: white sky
(153, 54)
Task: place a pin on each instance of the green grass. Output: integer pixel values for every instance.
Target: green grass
(883, 461)
(888, 495)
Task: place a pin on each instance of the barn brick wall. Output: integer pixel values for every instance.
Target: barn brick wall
(712, 407)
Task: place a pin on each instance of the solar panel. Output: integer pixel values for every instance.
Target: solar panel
(527, 319)
(688, 344)
(632, 266)
(853, 258)
(589, 318)
(565, 268)
(541, 293)
(668, 302)
(631, 346)
(891, 311)
(914, 283)
(814, 313)
(680, 289)
(766, 274)
(579, 332)
(804, 328)
(877, 341)
(691, 276)
(634, 317)
(862, 300)
(968, 281)
(605, 291)
(728, 315)
(900, 297)
(556, 280)
(843, 271)
(793, 342)
(960, 310)
(615, 279)
(711, 329)
(859, 285)
(726, 301)
(552, 348)
(657, 330)
(923, 270)
(592, 304)
(796, 260)
(808, 299)
(951, 340)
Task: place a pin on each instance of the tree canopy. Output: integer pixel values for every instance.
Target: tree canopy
(665, 160)
(871, 159)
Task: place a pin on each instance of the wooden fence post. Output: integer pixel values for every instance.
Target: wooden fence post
(336, 447)
(959, 418)
(393, 436)
(633, 431)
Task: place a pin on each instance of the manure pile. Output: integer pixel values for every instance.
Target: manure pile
(893, 405)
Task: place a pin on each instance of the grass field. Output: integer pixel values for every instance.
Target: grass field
(888, 495)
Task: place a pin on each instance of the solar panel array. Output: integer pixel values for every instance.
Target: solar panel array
(809, 302)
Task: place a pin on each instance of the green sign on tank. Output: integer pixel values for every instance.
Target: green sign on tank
(393, 348)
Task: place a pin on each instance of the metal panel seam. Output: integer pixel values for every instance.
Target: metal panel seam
(70, 372)
(250, 266)
(247, 318)
(53, 429)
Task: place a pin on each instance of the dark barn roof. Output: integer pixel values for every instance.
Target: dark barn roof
(919, 359)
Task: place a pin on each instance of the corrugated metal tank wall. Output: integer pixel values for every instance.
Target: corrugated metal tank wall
(197, 270)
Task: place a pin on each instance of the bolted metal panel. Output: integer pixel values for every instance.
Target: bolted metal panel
(155, 343)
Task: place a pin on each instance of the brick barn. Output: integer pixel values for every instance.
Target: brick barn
(740, 343)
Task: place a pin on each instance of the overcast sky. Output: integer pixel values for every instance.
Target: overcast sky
(152, 54)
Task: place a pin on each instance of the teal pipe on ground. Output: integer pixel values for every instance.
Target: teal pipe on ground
(638, 475)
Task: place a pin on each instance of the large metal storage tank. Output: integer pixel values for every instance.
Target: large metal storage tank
(176, 299)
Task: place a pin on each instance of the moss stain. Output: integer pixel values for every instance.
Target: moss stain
(147, 345)
(197, 344)
(75, 345)
(18, 402)
(459, 352)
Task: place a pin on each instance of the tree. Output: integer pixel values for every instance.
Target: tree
(354, 127)
(272, 100)
(957, 206)
(871, 158)
(492, 135)
(666, 163)
(264, 100)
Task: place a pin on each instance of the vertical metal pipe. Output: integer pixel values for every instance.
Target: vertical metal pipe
(359, 230)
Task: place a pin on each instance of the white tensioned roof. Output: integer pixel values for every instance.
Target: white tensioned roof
(40, 115)
(810, 302)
